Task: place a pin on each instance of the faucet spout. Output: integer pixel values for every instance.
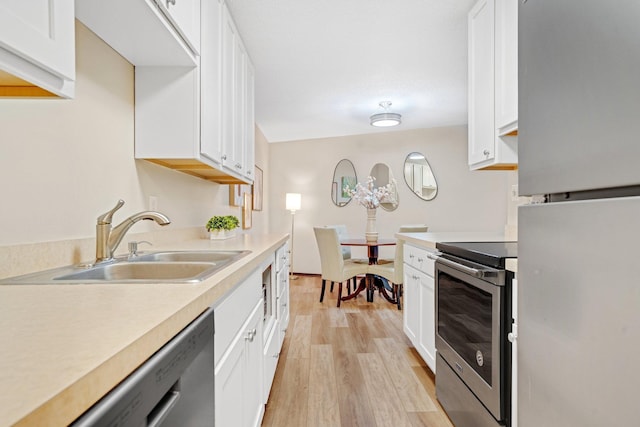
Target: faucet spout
(108, 239)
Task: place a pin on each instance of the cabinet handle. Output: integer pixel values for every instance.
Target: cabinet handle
(250, 335)
(275, 356)
(486, 152)
(248, 172)
(420, 260)
(224, 157)
(173, 2)
(238, 166)
(411, 256)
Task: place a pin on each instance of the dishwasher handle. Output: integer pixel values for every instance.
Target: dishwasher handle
(162, 409)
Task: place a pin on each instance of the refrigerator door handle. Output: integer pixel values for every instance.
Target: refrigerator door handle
(513, 335)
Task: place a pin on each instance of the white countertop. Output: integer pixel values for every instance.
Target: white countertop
(428, 240)
(65, 346)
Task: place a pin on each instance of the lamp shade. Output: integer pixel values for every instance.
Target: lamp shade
(294, 201)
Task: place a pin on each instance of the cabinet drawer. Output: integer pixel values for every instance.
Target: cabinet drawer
(282, 256)
(419, 259)
(271, 357)
(233, 311)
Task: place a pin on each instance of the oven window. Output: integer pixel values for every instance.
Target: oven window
(464, 322)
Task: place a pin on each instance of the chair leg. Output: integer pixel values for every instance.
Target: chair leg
(398, 291)
(331, 289)
(339, 294)
(324, 284)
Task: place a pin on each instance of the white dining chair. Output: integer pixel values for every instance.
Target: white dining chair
(334, 267)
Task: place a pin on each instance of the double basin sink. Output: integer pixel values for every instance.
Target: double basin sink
(154, 267)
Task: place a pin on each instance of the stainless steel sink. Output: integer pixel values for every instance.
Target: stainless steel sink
(154, 267)
(215, 257)
(134, 271)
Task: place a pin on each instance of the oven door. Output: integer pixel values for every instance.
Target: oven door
(469, 329)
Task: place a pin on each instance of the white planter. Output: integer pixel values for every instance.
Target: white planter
(222, 234)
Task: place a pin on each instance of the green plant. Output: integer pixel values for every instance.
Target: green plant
(227, 222)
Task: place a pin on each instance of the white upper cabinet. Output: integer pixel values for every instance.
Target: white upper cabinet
(144, 32)
(37, 45)
(238, 134)
(506, 71)
(185, 18)
(196, 119)
(493, 86)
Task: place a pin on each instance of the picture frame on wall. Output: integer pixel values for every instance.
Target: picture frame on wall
(257, 189)
(246, 211)
(236, 194)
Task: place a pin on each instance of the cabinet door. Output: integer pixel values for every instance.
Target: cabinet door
(37, 36)
(506, 68)
(249, 118)
(411, 300)
(229, 90)
(427, 339)
(254, 371)
(184, 15)
(210, 81)
(481, 82)
(239, 376)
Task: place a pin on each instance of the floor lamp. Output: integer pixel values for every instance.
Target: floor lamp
(293, 204)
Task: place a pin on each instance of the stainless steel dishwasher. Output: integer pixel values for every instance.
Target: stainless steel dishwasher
(175, 387)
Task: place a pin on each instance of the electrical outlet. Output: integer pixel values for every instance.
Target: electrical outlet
(514, 193)
(153, 203)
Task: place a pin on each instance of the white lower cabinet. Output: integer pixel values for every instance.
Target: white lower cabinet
(246, 358)
(238, 355)
(238, 377)
(419, 320)
(273, 343)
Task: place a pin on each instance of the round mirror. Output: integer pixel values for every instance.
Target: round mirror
(344, 175)
(419, 176)
(383, 176)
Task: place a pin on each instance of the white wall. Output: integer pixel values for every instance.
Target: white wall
(64, 162)
(466, 201)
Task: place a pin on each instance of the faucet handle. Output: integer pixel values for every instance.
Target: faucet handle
(133, 247)
(105, 218)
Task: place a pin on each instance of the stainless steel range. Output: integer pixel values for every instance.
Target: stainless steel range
(473, 318)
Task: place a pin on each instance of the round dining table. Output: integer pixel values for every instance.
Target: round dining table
(368, 282)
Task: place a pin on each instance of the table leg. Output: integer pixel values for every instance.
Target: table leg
(361, 287)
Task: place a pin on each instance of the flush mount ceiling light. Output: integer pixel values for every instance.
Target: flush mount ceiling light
(385, 119)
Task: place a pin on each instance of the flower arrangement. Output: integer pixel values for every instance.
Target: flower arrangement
(370, 196)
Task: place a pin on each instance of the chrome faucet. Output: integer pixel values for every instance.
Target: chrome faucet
(108, 239)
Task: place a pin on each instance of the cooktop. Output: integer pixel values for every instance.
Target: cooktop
(492, 254)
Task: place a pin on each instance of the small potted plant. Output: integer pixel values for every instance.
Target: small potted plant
(222, 227)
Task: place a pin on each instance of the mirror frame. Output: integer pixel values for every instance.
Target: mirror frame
(334, 184)
(391, 180)
(406, 180)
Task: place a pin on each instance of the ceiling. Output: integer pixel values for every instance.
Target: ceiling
(323, 66)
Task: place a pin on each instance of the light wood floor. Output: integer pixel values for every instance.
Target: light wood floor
(349, 366)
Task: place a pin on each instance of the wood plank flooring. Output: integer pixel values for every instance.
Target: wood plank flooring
(349, 366)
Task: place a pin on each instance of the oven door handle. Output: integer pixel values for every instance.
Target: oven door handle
(468, 270)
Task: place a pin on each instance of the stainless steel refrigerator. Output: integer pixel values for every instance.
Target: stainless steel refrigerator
(578, 342)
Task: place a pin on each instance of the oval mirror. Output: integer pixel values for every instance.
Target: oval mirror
(383, 176)
(419, 176)
(343, 175)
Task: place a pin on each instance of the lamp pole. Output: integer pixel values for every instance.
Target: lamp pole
(293, 204)
(291, 276)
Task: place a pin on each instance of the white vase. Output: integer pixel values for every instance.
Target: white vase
(221, 234)
(371, 233)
